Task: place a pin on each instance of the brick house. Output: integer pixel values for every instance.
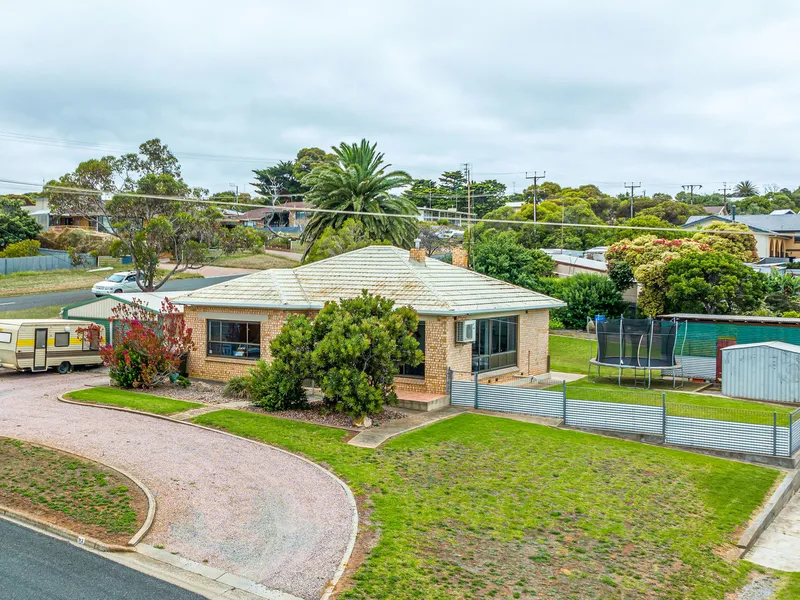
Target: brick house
(234, 321)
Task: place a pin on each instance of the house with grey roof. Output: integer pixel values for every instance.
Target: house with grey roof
(469, 322)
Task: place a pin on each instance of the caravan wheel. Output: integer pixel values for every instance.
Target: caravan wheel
(65, 367)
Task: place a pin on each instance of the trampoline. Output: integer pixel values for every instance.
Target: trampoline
(640, 345)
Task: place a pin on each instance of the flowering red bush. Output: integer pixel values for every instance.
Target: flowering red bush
(151, 345)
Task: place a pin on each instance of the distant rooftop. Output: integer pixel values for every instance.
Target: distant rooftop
(731, 319)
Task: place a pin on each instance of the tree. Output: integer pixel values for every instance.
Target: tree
(239, 239)
(676, 213)
(16, 225)
(359, 182)
(740, 245)
(486, 196)
(754, 205)
(148, 213)
(647, 257)
(783, 283)
(430, 239)
(646, 221)
(500, 255)
(587, 296)
(150, 345)
(353, 350)
(746, 188)
(308, 159)
(360, 344)
(352, 235)
(21, 249)
(281, 176)
(713, 283)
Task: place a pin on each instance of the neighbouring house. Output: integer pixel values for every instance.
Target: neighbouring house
(716, 210)
(39, 208)
(287, 217)
(433, 215)
(469, 322)
(567, 265)
(100, 310)
(775, 234)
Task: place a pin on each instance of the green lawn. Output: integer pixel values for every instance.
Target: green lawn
(59, 487)
(43, 312)
(62, 280)
(255, 261)
(482, 507)
(134, 400)
(569, 354)
(790, 589)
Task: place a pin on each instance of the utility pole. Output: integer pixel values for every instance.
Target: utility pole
(691, 187)
(632, 187)
(725, 189)
(469, 214)
(235, 188)
(536, 177)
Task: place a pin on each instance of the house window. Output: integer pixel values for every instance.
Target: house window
(419, 370)
(61, 340)
(5, 337)
(495, 345)
(234, 339)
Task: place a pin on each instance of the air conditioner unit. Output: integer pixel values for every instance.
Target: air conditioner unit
(465, 331)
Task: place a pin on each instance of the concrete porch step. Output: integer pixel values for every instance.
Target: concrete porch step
(422, 402)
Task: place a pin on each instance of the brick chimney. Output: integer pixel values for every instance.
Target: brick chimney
(417, 255)
(460, 258)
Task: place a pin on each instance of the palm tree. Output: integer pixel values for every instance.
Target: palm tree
(746, 188)
(358, 182)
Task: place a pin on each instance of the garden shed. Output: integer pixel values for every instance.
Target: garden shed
(99, 310)
(768, 371)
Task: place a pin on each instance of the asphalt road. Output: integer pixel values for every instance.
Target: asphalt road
(65, 298)
(35, 566)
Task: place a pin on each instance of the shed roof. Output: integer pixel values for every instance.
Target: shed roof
(783, 346)
(150, 300)
(732, 319)
(430, 287)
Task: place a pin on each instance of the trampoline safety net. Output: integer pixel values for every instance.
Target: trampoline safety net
(636, 343)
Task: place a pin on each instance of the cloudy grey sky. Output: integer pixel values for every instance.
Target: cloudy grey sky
(592, 91)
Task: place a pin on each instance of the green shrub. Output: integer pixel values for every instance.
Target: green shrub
(276, 386)
(182, 381)
(21, 249)
(791, 314)
(556, 324)
(587, 296)
(237, 387)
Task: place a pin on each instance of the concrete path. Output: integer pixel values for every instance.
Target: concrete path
(242, 507)
(779, 546)
(568, 377)
(285, 254)
(375, 436)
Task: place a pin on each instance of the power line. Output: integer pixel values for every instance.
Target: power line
(83, 192)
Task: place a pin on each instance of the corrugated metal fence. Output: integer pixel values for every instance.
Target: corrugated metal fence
(751, 431)
(48, 260)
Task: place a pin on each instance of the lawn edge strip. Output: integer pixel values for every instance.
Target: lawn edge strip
(64, 398)
(330, 587)
(102, 546)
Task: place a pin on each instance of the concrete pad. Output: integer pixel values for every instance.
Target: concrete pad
(375, 436)
(779, 545)
(568, 377)
(178, 561)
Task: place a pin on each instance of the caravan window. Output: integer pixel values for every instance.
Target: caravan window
(5, 337)
(61, 340)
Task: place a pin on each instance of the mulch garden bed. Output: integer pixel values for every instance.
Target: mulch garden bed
(319, 414)
(71, 492)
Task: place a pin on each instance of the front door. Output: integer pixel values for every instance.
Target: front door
(40, 350)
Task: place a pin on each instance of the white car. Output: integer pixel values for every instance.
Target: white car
(124, 281)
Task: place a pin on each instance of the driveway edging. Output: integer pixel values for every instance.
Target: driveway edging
(68, 533)
(328, 591)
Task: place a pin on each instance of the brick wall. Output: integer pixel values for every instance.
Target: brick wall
(441, 349)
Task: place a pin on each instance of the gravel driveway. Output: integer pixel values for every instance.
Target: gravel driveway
(246, 508)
